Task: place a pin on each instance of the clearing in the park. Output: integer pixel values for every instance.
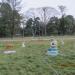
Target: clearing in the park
(34, 60)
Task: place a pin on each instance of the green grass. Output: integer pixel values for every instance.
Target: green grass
(33, 59)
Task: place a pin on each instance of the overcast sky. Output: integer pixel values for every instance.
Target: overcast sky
(70, 4)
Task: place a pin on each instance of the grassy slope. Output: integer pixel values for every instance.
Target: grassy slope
(33, 59)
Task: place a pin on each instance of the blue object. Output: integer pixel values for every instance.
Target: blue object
(53, 51)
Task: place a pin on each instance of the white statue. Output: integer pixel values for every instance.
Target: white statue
(23, 44)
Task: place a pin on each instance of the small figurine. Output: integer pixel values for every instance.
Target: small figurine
(23, 44)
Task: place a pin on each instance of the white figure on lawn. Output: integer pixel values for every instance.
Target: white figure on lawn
(23, 44)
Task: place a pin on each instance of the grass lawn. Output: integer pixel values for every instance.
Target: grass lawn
(33, 59)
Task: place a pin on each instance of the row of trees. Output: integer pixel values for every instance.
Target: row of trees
(48, 24)
(51, 25)
(55, 26)
(9, 18)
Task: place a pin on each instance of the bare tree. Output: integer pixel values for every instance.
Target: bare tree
(47, 13)
(44, 10)
(62, 10)
(44, 13)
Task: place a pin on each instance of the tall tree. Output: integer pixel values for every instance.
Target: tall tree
(47, 13)
(10, 15)
(69, 24)
(52, 26)
(29, 27)
(62, 25)
(15, 16)
(44, 13)
(5, 11)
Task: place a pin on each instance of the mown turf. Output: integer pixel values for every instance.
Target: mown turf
(33, 59)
